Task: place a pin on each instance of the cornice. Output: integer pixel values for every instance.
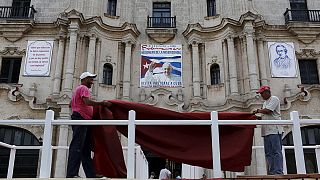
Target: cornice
(12, 51)
(74, 19)
(226, 24)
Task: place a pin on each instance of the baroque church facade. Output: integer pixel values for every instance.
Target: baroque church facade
(228, 50)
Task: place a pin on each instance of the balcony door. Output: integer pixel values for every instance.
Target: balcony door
(20, 8)
(161, 14)
(299, 10)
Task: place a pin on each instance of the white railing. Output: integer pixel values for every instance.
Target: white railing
(46, 155)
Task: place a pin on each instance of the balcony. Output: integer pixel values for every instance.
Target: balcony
(302, 16)
(161, 22)
(12, 12)
(161, 29)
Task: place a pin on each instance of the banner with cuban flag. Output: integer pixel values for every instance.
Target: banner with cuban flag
(161, 66)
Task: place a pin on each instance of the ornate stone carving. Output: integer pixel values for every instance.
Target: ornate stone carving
(161, 35)
(307, 53)
(12, 51)
(15, 94)
(165, 97)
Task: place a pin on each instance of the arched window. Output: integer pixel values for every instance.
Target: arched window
(26, 161)
(310, 137)
(215, 74)
(107, 74)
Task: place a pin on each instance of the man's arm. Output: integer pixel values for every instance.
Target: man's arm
(91, 102)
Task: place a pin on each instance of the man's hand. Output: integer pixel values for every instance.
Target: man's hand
(255, 111)
(106, 103)
(152, 65)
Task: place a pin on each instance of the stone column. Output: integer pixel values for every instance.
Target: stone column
(232, 67)
(71, 60)
(253, 76)
(195, 69)
(246, 82)
(99, 79)
(127, 70)
(226, 67)
(91, 53)
(262, 63)
(61, 161)
(59, 65)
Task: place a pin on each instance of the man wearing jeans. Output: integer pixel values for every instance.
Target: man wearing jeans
(80, 147)
(272, 134)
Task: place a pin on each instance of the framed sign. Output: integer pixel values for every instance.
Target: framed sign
(38, 58)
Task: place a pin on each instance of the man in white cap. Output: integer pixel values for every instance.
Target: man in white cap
(272, 134)
(80, 146)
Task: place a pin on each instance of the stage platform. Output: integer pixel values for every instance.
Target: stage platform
(283, 177)
(264, 177)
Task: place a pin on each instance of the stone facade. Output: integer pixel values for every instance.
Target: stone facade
(86, 37)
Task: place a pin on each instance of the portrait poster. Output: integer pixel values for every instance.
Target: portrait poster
(161, 66)
(38, 58)
(282, 59)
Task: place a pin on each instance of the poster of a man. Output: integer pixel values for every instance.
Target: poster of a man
(161, 66)
(282, 59)
(165, 76)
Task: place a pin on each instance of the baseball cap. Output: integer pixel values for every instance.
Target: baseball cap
(87, 74)
(263, 88)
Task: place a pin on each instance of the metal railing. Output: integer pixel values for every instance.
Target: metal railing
(302, 16)
(46, 154)
(17, 12)
(161, 22)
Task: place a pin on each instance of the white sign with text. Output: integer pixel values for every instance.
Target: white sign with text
(38, 58)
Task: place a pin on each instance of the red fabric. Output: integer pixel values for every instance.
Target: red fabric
(185, 144)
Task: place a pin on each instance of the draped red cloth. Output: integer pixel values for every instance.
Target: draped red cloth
(185, 143)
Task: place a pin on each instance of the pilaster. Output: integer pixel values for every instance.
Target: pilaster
(129, 42)
(232, 66)
(248, 31)
(91, 53)
(59, 65)
(262, 61)
(73, 33)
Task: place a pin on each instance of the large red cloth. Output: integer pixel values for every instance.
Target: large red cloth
(186, 144)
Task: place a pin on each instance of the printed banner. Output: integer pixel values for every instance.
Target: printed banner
(282, 59)
(38, 58)
(161, 66)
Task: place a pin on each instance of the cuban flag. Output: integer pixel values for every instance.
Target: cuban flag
(175, 62)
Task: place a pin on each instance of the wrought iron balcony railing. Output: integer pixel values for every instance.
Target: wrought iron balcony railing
(161, 22)
(13, 12)
(302, 15)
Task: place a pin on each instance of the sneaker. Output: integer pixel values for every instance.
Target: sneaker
(100, 176)
(74, 177)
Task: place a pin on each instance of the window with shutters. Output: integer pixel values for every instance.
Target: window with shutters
(211, 7)
(308, 72)
(112, 8)
(10, 70)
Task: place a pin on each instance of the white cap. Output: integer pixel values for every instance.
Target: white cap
(87, 74)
